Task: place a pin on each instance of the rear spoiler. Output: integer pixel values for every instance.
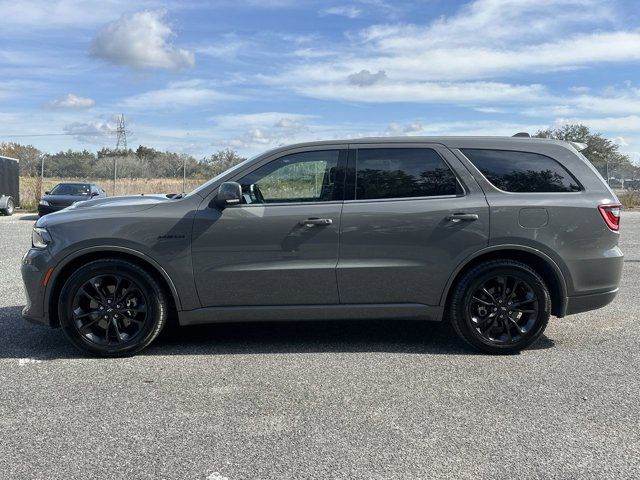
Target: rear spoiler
(579, 146)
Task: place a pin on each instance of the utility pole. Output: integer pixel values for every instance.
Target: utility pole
(184, 174)
(121, 143)
(41, 174)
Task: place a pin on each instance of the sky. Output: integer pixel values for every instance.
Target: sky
(196, 76)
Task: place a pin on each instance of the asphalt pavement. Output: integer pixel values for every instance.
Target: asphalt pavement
(328, 400)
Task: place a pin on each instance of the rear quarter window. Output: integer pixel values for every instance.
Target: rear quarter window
(522, 172)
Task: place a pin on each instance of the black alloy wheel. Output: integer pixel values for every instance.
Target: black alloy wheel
(112, 308)
(500, 306)
(109, 309)
(503, 309)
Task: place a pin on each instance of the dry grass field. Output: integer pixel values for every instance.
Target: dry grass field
(30, 187)
(630, 199)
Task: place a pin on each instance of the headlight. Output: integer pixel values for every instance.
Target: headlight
(40, 238)
(44, 203)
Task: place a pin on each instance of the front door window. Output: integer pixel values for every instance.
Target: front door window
(296, 178)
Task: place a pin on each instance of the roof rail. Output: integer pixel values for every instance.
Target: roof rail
(522, 134)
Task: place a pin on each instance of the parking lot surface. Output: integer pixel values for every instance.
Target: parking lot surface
(327, 400)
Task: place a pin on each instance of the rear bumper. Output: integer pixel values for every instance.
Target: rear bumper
(584, 303)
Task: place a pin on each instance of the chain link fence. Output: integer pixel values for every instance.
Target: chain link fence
(132, 173)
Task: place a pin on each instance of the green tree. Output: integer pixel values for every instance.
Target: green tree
(221, 160)
(599, 151)
(70, 164)
(29, 156)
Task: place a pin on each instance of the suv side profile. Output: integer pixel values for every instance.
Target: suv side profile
(492, 234)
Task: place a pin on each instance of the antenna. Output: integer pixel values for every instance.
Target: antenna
(121, 133)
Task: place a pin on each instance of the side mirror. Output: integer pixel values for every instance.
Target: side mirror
(46, 193)
(94, 194)
(229, 193)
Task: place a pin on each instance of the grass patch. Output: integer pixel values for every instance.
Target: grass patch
(630, 199)
(30, 187)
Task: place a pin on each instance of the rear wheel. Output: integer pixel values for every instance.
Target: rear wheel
(9, 207)
(112, 308)
(500, 306)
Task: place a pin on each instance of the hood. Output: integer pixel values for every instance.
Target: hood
(98, 207)
(64, 200)
(132, 202)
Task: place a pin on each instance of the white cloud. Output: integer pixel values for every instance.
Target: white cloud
(72, 101)
(96, 131)
(141, 40)
(364, 78)
(629, 123)
(48, 14)
(228, 47)
(349, 11)
(13, 89)
(188, 93)
(611, 101)
(261, 119)
(459, 93)
(484, 40)
(263, 129)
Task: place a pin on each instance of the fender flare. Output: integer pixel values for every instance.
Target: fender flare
(496, 248)
(108, 249)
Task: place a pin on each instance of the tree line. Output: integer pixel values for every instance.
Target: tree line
(144, 162)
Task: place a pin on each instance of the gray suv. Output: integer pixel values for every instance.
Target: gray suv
(491, 234)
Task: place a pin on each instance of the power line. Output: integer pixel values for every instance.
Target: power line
(26, 135)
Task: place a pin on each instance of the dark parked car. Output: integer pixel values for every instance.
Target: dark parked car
(66, 194)
(491, 234)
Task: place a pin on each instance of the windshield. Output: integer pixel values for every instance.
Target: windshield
(71, 189)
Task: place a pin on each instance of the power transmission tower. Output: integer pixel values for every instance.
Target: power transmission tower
(121, 143)
(121, 133)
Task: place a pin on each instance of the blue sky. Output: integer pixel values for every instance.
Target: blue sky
(197, 76)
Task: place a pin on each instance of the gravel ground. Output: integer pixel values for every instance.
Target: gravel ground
(334, 400)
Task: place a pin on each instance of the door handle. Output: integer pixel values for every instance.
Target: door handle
(459, 217)
(310, 222)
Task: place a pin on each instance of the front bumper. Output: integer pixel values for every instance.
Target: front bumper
(34, 267)
(44, 210)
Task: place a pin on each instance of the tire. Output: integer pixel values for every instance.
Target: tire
(9, 207)
(480, 312)
(112, 308)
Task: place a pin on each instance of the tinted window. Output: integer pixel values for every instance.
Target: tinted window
(401, 173)
(71, 189)
(300, 177)
(522, 171)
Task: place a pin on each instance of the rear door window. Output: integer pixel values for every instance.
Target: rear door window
(522, 172)
(403, 173)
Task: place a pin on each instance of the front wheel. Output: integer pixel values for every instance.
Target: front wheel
(500, 306)
(112, 308)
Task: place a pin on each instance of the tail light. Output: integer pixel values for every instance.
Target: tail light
(611, 215)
